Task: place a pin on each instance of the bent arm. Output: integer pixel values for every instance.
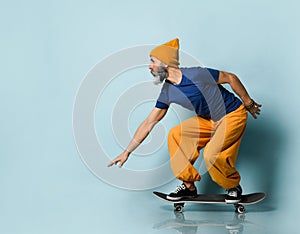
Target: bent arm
(141, 133)
(240, 90)
(236, 85)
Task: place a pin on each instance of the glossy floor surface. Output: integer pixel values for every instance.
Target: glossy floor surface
(156, 216)
(85, 209)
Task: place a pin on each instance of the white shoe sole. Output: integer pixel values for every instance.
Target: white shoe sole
(232, 201)
(179, 198)
(174, 198)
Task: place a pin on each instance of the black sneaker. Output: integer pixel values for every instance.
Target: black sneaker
(234, 195)
(182, 191)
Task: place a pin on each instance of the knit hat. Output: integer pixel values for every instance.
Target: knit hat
(167, 53)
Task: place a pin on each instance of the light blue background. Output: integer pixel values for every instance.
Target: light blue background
(47, 47)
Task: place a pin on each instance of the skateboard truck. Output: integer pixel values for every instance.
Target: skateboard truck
(239, 208)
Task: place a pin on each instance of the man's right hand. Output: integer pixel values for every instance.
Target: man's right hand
(141, 133)
(121, 159)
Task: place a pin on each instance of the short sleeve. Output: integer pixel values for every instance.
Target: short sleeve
(214, 73)
(161, 105)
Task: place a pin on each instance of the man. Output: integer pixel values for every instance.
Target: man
(218, 126)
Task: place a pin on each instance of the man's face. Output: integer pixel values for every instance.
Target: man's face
(158, 70)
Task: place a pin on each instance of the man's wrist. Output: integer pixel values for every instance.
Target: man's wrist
(127, 151)
(250, 104)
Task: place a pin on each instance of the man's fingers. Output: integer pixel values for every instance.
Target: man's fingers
(255, 109)
(112, 163)
(119, 160)
(121, 163)
(115, 162)
(253, 114)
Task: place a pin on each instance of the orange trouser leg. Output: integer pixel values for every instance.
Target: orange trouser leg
(222, 140)
(221, 151)
(185, 142)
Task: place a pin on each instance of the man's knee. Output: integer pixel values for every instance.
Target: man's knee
(174, 133)
(211, 152)
(209, 159)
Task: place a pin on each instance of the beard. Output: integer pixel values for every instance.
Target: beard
(160, 75)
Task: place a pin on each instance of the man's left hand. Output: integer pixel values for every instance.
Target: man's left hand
(254, 109)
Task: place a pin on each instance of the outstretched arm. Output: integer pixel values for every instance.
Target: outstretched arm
(240, 90)
(141, 133)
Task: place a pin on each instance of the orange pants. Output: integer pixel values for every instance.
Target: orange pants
(221, 140)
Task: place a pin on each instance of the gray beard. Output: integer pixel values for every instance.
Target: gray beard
(159, 76)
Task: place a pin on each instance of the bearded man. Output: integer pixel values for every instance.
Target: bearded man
(217, 127)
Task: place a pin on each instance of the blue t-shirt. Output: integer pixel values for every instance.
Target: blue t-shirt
(199, 91)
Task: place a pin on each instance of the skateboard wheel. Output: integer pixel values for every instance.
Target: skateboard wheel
(179, 207)
(240, 209)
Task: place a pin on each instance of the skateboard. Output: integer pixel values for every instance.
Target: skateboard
(247, 199)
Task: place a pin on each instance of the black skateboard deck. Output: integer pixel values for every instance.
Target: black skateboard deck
(247, 199)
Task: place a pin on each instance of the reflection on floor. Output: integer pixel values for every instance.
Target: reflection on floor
(232, 225)
(213, 222)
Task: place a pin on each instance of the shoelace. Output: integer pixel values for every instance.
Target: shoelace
(179, 188)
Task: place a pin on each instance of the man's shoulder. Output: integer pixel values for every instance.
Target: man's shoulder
(193, 73)
(192, 70)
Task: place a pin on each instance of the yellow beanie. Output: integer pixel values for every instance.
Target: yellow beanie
(167, 53)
